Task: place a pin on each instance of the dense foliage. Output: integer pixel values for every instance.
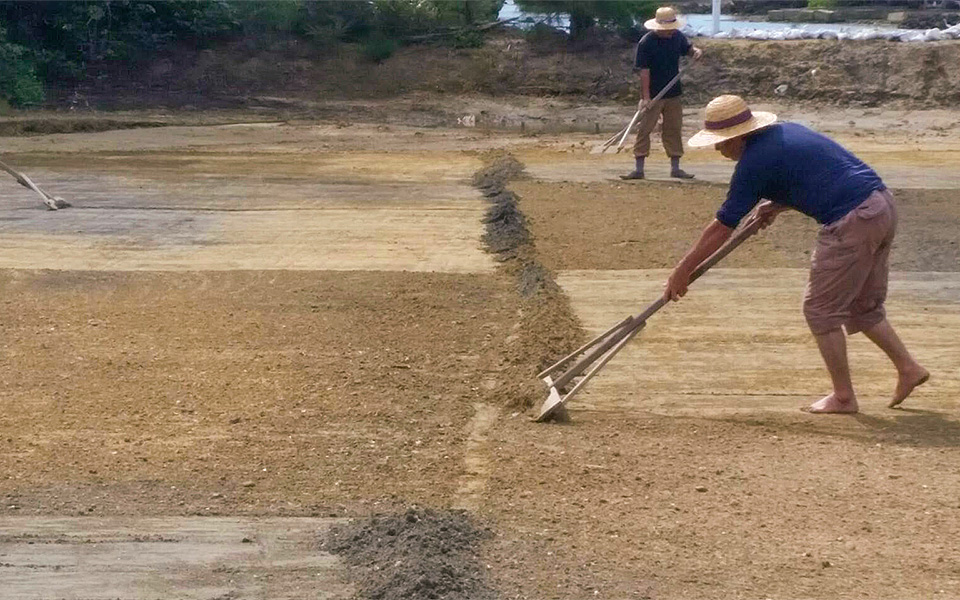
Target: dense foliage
(584, 14)
(58, 40)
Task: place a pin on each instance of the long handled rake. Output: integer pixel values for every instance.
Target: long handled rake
(597, 352)
(625, 132)
(52, 202)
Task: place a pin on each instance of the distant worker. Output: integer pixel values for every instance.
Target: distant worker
(658, 62)
(791, 166)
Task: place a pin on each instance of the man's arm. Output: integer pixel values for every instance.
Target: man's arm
(644, 85)
(689, 49)
(712, 238)
(642, 67)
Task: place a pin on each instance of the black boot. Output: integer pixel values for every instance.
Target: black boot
(676, 171)
(637, 171)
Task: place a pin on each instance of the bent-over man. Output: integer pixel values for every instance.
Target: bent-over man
(793, 167)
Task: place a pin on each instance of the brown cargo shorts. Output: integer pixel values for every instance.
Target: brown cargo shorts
(850, 268)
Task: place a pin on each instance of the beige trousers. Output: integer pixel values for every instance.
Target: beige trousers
(672, 111)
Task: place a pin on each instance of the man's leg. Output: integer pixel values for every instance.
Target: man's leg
(869, 315)
(641, 147)
(837, 274)
(909, 372)
(671, 134)
(833, 349)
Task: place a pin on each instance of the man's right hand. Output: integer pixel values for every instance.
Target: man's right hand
(642, 105)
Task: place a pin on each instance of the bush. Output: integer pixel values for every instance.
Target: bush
(378, 48)
(824, 4)
(19, 84)
(467, 39)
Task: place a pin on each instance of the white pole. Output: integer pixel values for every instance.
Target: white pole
(716, 17)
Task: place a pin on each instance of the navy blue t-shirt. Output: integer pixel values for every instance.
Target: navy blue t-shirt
(662, 57)
(792, 165)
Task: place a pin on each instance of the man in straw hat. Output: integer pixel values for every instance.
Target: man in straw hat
(658, 61)
(792, 167)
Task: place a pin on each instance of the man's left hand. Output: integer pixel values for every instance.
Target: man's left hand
(697, 53)
(676, 286)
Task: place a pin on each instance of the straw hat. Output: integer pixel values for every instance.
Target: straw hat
(727, 117)
(665, 20)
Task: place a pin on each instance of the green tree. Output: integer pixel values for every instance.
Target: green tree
(467, 12)
(584, 14)
(19, 84)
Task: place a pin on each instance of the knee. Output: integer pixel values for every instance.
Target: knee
(820, 320)
(866, 317)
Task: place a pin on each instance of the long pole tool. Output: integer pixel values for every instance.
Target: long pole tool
(52, 202)
(625, 132)
(597, 352)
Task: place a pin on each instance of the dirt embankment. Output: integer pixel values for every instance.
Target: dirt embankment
(866, 72)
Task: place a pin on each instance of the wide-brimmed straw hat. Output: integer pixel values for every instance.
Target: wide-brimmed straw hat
(727, 117)
(665, 20)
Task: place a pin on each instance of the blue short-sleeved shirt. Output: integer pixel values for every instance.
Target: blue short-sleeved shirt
(793, 165)
(662, 57)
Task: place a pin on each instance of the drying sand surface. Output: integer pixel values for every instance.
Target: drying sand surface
(251, 327)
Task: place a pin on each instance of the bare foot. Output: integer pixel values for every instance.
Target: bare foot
(831, 404)
(906, 382)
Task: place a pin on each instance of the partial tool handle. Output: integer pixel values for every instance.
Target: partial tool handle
(633, 121)
(557, 364)
(750, 228)
(623, 329)
(655, 99)
(25, 181)
(15, 174)
(22, 179)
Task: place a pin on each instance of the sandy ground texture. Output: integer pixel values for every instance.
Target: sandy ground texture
(299, 320)
(194, 558)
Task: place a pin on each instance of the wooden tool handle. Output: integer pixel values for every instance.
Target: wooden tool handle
(751, 227)
(655, 99)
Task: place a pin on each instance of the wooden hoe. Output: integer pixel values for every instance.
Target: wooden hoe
(52, 202)
(598, 351)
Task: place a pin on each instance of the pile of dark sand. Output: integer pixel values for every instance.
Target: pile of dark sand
(499, 169)
(421, 554)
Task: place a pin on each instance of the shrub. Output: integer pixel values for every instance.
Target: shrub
(378, 48)
(467, 39)
(824, 4)
(19, 84)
